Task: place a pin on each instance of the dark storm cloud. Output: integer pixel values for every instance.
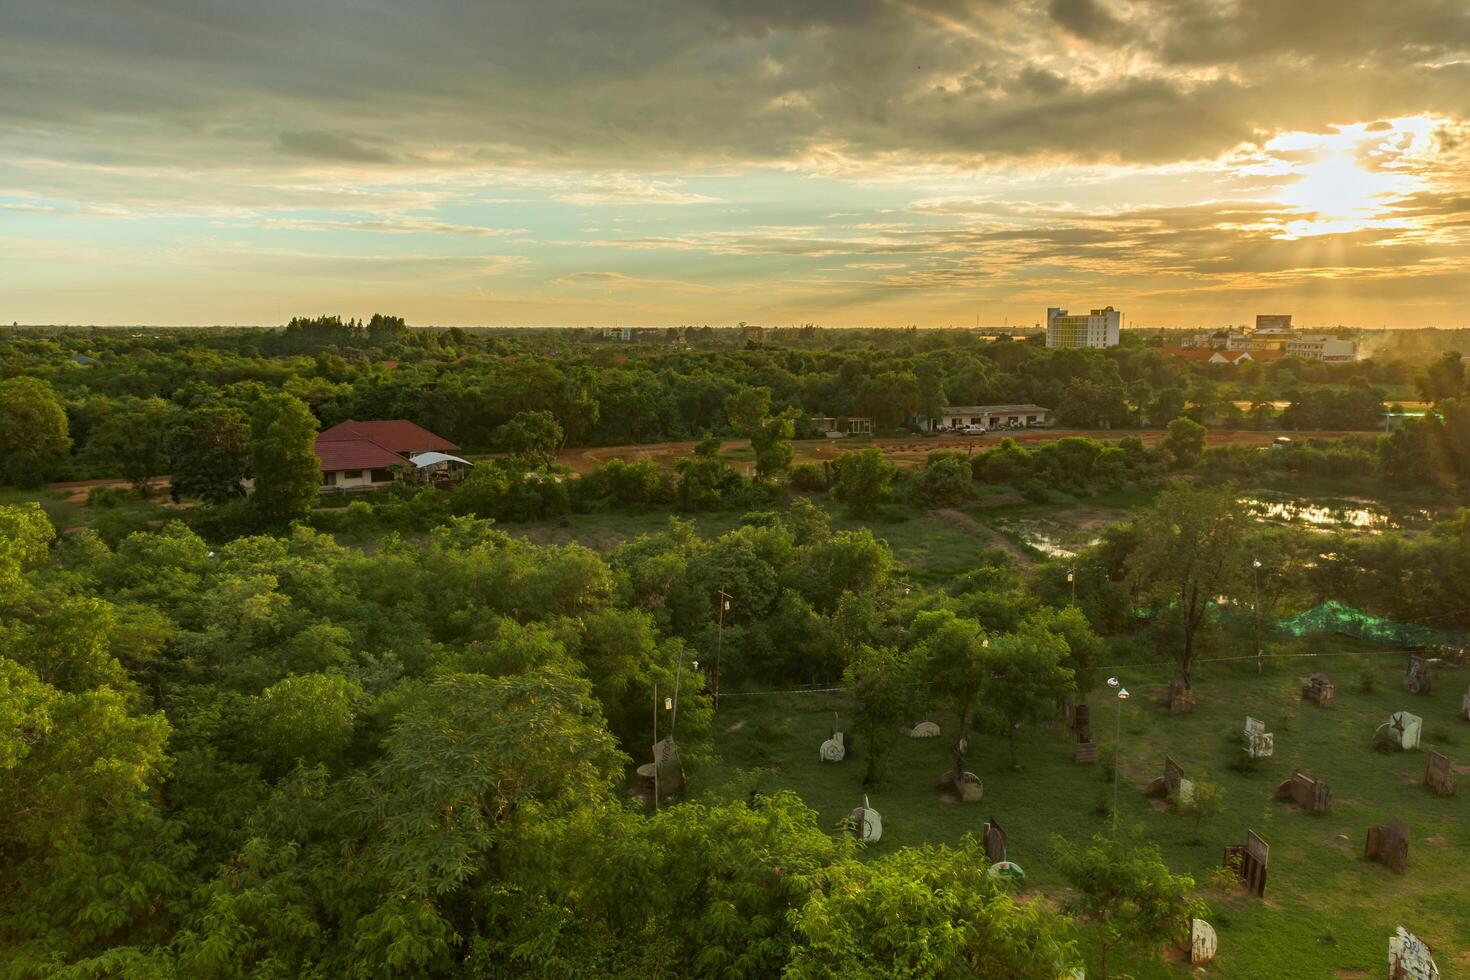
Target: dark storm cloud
(1087, 19)
(331, 146)
(639, 83)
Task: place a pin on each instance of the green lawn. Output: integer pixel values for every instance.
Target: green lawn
(1326, 909)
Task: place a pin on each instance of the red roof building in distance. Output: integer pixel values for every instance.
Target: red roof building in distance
(397, 436)
(358, 454)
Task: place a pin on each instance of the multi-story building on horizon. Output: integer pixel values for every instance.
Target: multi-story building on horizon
(1273, 323)
(1097, 329)
(1322, 347)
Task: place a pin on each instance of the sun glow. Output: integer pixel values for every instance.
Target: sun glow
(1348, 181)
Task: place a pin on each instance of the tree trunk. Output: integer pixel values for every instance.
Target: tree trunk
(1102, 942)
(1188, 657)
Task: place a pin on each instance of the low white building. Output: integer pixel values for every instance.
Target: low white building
(1098, 328)
(989, 417)
(1322, 347)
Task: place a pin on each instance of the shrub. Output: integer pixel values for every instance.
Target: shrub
(808, 478)
(105, 498)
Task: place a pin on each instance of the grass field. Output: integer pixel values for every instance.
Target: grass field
(1327, 912)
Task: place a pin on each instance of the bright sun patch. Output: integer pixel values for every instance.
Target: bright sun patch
(1350, 179)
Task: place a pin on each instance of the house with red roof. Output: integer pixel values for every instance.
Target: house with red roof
(1205, 355)
(360, 455)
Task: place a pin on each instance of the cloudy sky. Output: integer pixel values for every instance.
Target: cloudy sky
(845, 162)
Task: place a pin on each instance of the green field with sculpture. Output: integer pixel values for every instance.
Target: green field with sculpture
(1327, 911)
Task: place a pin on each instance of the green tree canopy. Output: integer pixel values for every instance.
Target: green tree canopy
(209, 454)
(34, 437)
(288, 477)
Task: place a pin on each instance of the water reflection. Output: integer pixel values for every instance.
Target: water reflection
(1333, 514)
(1048, 539)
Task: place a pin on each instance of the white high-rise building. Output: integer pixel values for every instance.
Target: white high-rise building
(1097, 329)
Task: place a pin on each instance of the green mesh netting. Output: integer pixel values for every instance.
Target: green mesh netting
(1335, 617)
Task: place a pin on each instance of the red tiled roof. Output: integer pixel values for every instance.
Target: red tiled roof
(396, 435)
(353, 454)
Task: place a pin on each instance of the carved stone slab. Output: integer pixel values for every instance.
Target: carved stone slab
(995, 841)
(1259, 743)
(1409, 958)
(1320, 688)
(867, 824)
(1172, 783)
(1402, 729)
(1416, 676)
(1249, 861)
(1389, 844)
(1439, 774)
(1179, 697)
(1202, 942)
(1306, 791)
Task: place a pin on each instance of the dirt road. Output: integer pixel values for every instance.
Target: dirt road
(909, 450)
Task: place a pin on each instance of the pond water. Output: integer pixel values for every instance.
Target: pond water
(1049, 538)
(1335, 514)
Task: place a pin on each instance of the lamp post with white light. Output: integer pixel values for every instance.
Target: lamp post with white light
(1122, 696)
(1256, 602)
(1072, 581)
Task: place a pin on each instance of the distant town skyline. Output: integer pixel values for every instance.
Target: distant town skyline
(665, 162)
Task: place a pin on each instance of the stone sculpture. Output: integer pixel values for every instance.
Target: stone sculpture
(867, 824)
(1202, 942)
(1401, 729)
(834, 749)
(1319, 688)
(1306, 791)
(1259, 743)
(1389, 844)
(1439, 774)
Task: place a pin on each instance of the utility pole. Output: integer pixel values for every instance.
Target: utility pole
(720, 642)
(1072, 581)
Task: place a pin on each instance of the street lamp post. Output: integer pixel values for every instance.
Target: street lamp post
(1113, 682)
(720, 643)
(1072, 581)
(1256, 602)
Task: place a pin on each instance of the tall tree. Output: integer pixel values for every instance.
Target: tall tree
(530, 437)
(771, 440)
(33, 431)
(881, 680)
(133, 440)
(1025, 677)
(1184, 442)
(953, 654)
(288, 477)
(1125, 889)
(209, 454)
(1188, 553)
(1445, 378)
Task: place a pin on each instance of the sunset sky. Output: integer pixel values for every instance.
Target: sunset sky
(845, 162)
